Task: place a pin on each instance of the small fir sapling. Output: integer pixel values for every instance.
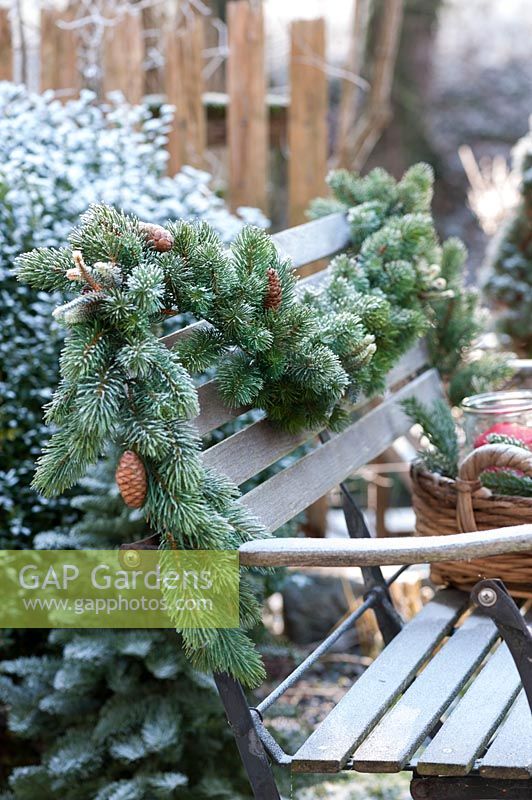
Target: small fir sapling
(129, 699)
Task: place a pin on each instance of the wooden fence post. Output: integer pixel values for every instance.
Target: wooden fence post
(6, 47)
(123, 57)
(59, 69)
(247, 120)
(307, 118)
(152, 27)
(184, 90)
(307, 145)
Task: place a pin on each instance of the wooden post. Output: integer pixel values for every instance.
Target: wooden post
(152, 25)
(123, 57)
(6, 47)
(59, 69)
(184, 90)
(247, 120)
(307, 120)
(307, 143)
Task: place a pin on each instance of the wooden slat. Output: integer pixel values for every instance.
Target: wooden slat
(510, 755)
(59, 68)
(307, 121)
(289, 492)
(6, 46)
(333, 741)
(247, 121)
(247, 452)
(297, 552)
(153, 22)
(412, 361)
(400, 732)
(464, 735)
(313, 240)
(184, 89)
(171, 338)
(123, 57)
(261, 444)
(213, 413)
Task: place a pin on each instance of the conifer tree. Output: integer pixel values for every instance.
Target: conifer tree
(510, 284)
(127, 699)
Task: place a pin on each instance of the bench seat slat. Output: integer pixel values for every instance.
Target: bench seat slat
(340, 733)
(401, 731)
(510, 755)
(284, 495)
(465, 734)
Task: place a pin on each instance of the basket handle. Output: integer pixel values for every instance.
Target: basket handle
(467, 483)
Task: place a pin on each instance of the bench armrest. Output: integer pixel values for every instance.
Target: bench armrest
(377, 552)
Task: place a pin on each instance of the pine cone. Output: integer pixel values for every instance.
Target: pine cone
(274, 293)
(131, 479)
(159, 238)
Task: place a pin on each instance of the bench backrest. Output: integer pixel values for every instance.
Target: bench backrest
(259, 445)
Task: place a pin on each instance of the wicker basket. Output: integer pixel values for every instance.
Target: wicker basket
(445, 506)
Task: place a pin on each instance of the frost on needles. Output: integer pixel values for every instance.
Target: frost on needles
(381, 212)
(301, 356)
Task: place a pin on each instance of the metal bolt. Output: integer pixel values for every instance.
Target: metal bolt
(487, 597)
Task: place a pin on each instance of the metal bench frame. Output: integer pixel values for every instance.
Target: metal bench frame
(257, 747)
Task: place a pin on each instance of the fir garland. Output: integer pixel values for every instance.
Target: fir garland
(303, 357)
(372, 205)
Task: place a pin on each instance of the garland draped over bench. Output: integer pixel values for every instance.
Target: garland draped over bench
(301, 356)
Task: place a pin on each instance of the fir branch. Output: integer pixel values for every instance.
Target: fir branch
(506, 482)
(437, 424)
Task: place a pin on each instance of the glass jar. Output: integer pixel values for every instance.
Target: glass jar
(508, 413)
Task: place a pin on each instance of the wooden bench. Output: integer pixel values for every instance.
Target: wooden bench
(447, 698)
